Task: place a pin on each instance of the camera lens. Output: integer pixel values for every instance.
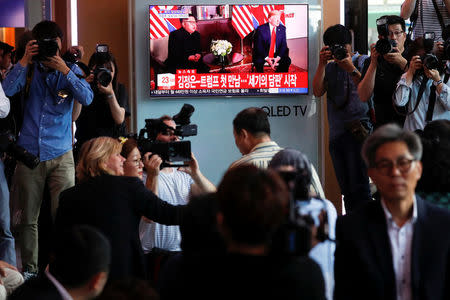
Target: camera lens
(383, 46)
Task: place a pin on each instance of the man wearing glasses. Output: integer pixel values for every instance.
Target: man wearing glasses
(397, 247)
(381, 73)
(184, 51)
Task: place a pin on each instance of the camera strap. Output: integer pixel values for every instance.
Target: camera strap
(438, 13)
(431, 104)
(422, 87)
(347, 98)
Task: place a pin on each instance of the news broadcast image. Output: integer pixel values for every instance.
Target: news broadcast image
(226, 50)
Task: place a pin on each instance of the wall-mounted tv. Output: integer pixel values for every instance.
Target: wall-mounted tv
(227, 50)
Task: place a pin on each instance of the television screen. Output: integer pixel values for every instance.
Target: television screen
(228, 50)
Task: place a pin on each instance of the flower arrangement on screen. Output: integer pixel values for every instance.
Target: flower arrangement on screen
(221, 47)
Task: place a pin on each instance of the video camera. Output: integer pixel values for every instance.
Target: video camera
(170, 152)
(295, 236)
(384, 45)
(9, 146)
(102, 74)
(47, 48)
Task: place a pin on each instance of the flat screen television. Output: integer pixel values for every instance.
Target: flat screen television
(228, 50)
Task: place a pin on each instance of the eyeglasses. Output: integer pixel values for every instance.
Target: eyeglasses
(395, 33)
(402, 164)
(136, 162)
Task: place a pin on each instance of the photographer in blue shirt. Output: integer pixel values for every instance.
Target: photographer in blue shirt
(49, 86)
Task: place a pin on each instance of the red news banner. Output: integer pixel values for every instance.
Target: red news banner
(189, 79)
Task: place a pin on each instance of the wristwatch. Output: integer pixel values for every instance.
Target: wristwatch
(436, 83)
(354, 72)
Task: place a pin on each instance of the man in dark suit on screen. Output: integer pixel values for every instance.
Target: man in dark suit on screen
(184, 50)
(396, 247)
(270, 46)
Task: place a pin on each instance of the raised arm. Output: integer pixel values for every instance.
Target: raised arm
(408, 8)
(319, 86)
(367, 84)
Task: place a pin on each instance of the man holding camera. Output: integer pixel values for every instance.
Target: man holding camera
(347, 115)
(172, 185)
(49, 88)
(381, 73)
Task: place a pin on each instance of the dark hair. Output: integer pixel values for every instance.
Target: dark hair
(199, 231)
(435, 159)
(47, 30)
(386, 134)
(128, 146)
(6, 48)
(78, 254)
(253, 203)
(394, 19)
(337, 34)
(100, 59)
(166, 118)
(252, 119)
(129, 289)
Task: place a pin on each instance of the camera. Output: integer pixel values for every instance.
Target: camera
(102, 75)
(339, 51)
(47, 48)
(170, 152)
(9, 146)
(430, 61)
(384, 45)
(295, 236)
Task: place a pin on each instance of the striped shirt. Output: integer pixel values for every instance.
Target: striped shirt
(260, 155)
(430, 19)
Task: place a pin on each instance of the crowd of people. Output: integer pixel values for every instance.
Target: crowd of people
(128, 225)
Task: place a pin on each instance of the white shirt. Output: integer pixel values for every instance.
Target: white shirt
(4, 104)
(61, 290)
(401, 246)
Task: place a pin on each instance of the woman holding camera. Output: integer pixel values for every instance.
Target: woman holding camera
(106, 115)
(113, 203)
(422, 89)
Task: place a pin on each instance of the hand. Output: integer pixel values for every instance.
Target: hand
(197, 57)
(415, 64)
(90, 78)
(191, 58)
(4, 265)
(438, 48)
(107, 90)
(374, 54)
(31, 49)
(77, 49)
(56, 63)
(346, 64)
(146, 220)
(193, 168)
(152, 163)
(325, 55)
(276, 60)
(394, 58)
(433, 74)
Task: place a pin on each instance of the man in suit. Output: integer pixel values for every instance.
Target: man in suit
(270, 46)
(397, 247)
(184, 51)
(78, 270)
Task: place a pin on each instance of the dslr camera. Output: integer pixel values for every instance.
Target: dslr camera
(9, 146)
(47, 48)
(429, 60)
(384, 45)
(102, 74)
(338, 51)
(170, 152)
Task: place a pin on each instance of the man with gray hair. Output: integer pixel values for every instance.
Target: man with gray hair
(397, 247)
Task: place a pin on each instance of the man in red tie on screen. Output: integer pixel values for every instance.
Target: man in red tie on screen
(270, 46)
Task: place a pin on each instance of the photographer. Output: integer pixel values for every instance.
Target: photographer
(421, 88)
(347, 115)
(49, 86)
(106, 115)
(172, 185)
(295, 168)
(381, 73)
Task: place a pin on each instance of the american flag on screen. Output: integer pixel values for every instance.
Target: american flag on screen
(246, 18)
(161, 26)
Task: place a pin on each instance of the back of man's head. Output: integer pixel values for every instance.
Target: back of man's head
(254, 120)
(252, 202)
(79, 254)
(337, 34)
(47, 30)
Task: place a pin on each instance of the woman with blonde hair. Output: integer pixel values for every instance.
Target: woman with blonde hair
(114, 204)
